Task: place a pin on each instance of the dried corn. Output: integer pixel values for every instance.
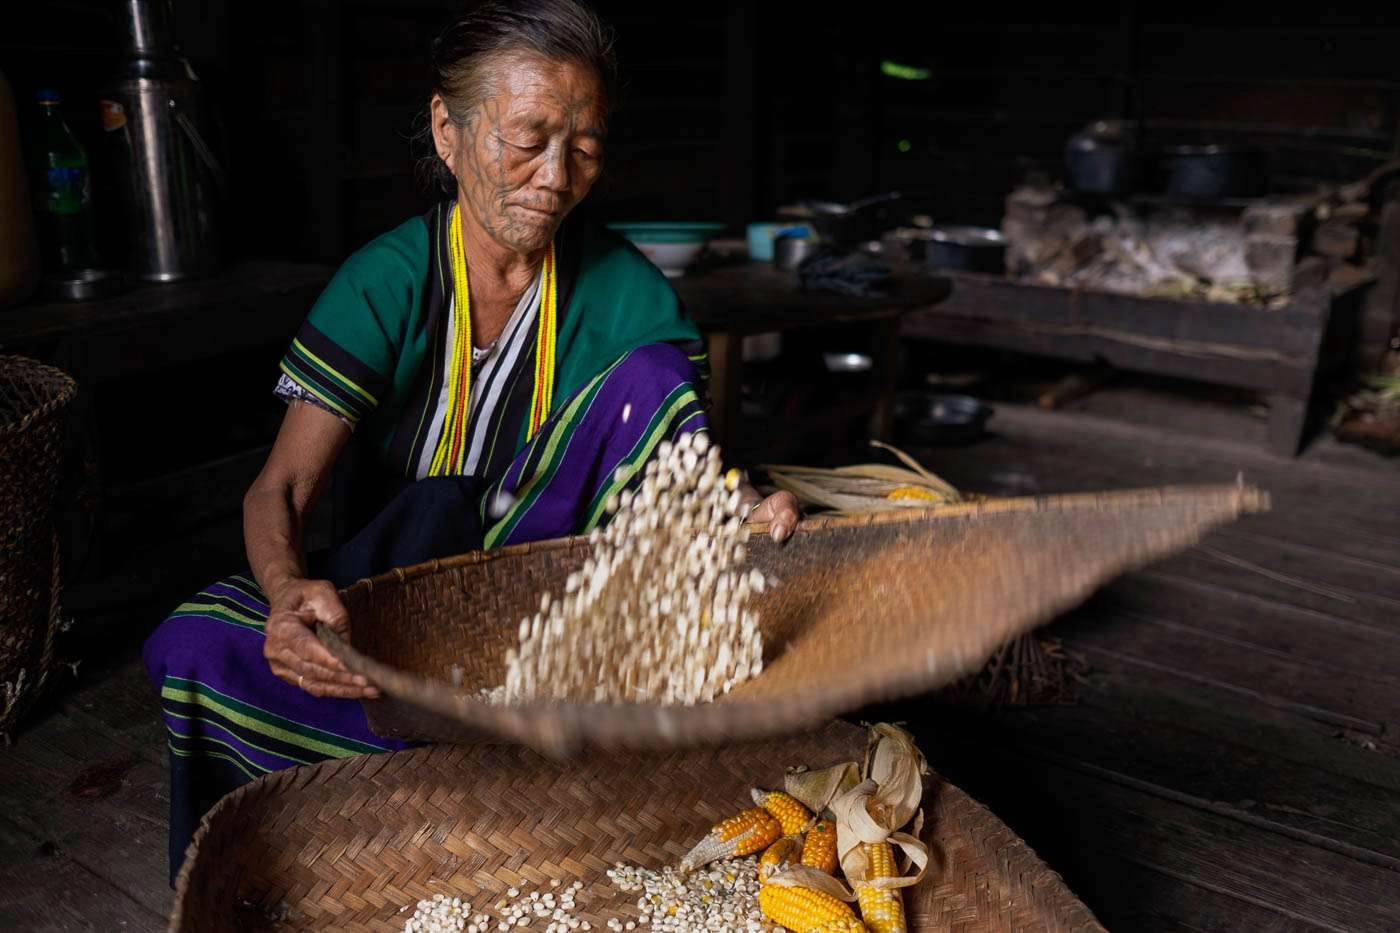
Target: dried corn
(787, 808)
(807, 911)
(744, 833)
(819, 847)
(779, 855)
(912, 494)
(880, 908)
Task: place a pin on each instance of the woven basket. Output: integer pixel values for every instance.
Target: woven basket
(32, 400)
(866, 608)
(345, 844)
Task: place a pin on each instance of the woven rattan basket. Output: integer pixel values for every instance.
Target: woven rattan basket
(32, 401)
(345, 844)
(866, 608)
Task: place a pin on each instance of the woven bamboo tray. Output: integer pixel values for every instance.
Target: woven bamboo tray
(866, 608)
(345, 844)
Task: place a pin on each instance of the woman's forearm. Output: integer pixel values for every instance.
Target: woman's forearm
(272, 534)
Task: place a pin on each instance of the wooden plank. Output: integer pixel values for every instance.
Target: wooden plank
(1034, 452)
(1208, 656)
(1256, 578)
(1070, 807)
(104, 806)
(1153, 696)
(1009, 465)
(1283, 332)
(1339, 646)
(42, 890)
(1263, 370)
(1257, 786)
(1127, 896)
(89, 780)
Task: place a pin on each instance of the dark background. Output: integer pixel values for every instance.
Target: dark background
(734, 108)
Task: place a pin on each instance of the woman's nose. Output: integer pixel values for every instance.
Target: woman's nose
(553, 173)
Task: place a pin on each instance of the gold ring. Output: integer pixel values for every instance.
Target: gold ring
(300, 678)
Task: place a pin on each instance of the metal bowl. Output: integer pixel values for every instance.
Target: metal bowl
(847, 362)
(938, 418)
(972, 249)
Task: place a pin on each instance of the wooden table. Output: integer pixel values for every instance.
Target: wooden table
(245, 305)
(732, 302)
(1275, 352)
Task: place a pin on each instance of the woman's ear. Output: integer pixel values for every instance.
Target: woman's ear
(446, 134)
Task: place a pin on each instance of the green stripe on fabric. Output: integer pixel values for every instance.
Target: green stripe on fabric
(310, 377)
(309, 384)
(260, 720)
(245, 585)
(241, 738)
(636, 458)
(207, 611)
(242, 764)
(554, 452)
(335, 374)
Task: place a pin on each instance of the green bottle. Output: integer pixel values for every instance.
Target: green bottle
(62, 193)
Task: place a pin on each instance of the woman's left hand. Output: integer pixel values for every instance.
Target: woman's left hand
(780, 510)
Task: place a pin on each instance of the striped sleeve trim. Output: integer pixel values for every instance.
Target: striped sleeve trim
(330, 374)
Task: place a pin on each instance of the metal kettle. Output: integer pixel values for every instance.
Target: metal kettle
(170, 180)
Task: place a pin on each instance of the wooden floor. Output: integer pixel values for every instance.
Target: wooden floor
(1232, 764)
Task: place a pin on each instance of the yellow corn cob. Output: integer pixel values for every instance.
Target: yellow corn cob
(819, 847)
(787, 808)
(778, 856)
(912, 493)
(744, 833)
(807, 911)
(881, 908)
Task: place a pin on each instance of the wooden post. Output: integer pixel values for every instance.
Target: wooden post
(726, 360)
(1288, 416)
(886, 373)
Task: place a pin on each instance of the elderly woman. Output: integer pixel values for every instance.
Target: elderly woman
(486, 374)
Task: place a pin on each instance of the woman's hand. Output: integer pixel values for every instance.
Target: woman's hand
(294, 652)
(781, 510)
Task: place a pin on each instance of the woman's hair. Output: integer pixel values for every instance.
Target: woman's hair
(472, 45)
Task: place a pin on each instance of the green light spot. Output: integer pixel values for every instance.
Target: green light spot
(904, 72)
(905, 145)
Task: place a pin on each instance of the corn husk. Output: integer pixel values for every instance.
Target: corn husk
(877, 801)
(865, 487)
(882, 807)
(817, 789)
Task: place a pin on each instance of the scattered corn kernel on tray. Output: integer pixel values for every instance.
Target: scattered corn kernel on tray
(732, 838)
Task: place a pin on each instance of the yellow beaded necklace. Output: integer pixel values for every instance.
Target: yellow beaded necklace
(450, 456)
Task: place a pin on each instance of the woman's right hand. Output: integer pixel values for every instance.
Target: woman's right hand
(294, 652)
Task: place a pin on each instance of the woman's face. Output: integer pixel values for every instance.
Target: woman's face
(529, 152)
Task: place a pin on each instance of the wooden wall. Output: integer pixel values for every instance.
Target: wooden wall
(734, 108)
(1318, 87)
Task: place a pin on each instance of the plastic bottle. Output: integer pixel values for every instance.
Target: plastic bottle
(62, 192)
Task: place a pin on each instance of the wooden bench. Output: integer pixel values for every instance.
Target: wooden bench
(1277, 353)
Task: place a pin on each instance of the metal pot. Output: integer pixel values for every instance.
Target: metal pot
(1101, 159)
(1212, 173)
(844, 226)
(970, 249)
(789, 251)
